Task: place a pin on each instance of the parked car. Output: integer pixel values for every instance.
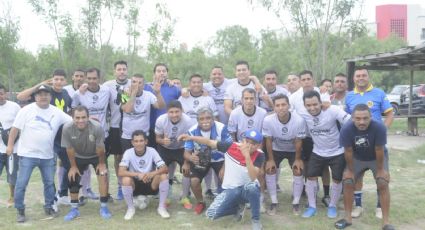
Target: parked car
(394, 96)
(418, 100)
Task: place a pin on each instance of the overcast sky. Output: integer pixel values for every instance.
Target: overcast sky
(197, 20)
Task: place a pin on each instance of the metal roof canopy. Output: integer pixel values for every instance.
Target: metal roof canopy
(409, 58)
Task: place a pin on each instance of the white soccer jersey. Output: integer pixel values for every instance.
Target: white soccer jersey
(284, 135)
(324, 130)
(234, 92)
(297, 103)
(139, 119)
(70, 89)
(8, 112)
(96, 103)
(148, 162)
(191, 105)
(114, 102)
(239, 122)
(279, 90)
(164, 126)
(217, 94)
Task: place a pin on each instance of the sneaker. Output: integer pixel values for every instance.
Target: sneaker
(105, 213)
(82, 201)
(163, 212)
(273, 209)
(296, 209)
(10, 202)
(326, 200)
(73, 214)
(120, 195)
(310, 212)
(186, 203)
(91, 195)
(240, 212)
(20, 216)
(262, 207)
(356, 212)
(129, 214)
(278, 188)
(332, 212)
(256, 225)
(209, 194)
(64, 200)
(378, 213)
(50, 213)
(199, 208)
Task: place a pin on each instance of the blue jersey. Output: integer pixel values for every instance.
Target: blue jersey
(374, 98)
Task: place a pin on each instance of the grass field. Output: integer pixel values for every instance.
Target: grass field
(407, 206)
(400, 125)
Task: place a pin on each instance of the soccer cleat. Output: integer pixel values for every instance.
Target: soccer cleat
(378, 213)
(240, 212)
(309, 212)
(186, 203)
(356, 212)
(256, 225)
(326, 200)
(199, 208)
(273, 209)
(20, 216)
(296, 209)
(129, 214)
(332, 212)
(120, 195)
(105, 213)
(50, 213)
(163, 212)
(72, 214)
(91, 195)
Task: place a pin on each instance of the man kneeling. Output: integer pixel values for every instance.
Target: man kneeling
(140, 177)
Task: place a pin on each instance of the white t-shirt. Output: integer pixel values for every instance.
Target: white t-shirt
(277, 91)
(324, 130)
(8, 113)
(217, 94)
(284, 135)
(141, 164)
(165, 127)
(234, 92)
(70, 89)
(114, 104)
(239, 121)
(38, 130)
(139, 118)
(191, 105)
(97, 104)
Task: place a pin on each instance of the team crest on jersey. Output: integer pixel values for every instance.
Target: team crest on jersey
(250, 123)
(95, 98)
(370, 104)
(195, 103)
(284, 130)
(138, 102)
(315, 121)
(91, 138)
(142, 163)
(217, 91)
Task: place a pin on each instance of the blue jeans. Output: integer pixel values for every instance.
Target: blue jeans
(4, 163)
(228, 201)
(47, 170)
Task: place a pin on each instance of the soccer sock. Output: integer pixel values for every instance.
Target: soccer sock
(336, 193)
(127, 191)
(208, 179)
(310, 189)
(326, 190)
(277, 175)
(163, 192)
(185, 186)
(358, 198)
(74, 203)
(297, 188)
(378, 202)
(271, 187)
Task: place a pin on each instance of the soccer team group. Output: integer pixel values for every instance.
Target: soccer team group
(233, 134)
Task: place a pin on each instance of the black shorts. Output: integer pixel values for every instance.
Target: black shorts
(170, 155)
(307, 148)
(201, 173)
(317, 163)
(83, 164)
(151, 138)
(279, 156)
(142, 188)
(113, 143)
(125, 144)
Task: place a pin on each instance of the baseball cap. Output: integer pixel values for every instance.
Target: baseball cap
(44, 88)
(254, 135)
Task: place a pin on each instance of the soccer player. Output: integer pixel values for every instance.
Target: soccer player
(113, 144)
(272, 90)
(242, 165)
(322, 126)
(83, 139)
(293, 83)
(37, 124)
(168, 128)
(78, 79)
(340, 87)
(376, 99)
(196, 100)
(283, 132)
(8, 112)
(200, 158)
(364, 141)
(326, 85)
(143, 172)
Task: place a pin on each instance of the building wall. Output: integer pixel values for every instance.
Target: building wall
(391, 19)
(415, 24)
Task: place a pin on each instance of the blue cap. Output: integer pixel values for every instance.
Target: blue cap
(254, 135)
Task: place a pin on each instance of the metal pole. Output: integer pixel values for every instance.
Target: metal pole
(410, 93)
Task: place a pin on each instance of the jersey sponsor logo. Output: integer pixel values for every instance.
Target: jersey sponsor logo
(320, 132)
(369, 104)
(362, 141)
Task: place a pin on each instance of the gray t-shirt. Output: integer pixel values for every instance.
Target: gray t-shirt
(84, 142)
